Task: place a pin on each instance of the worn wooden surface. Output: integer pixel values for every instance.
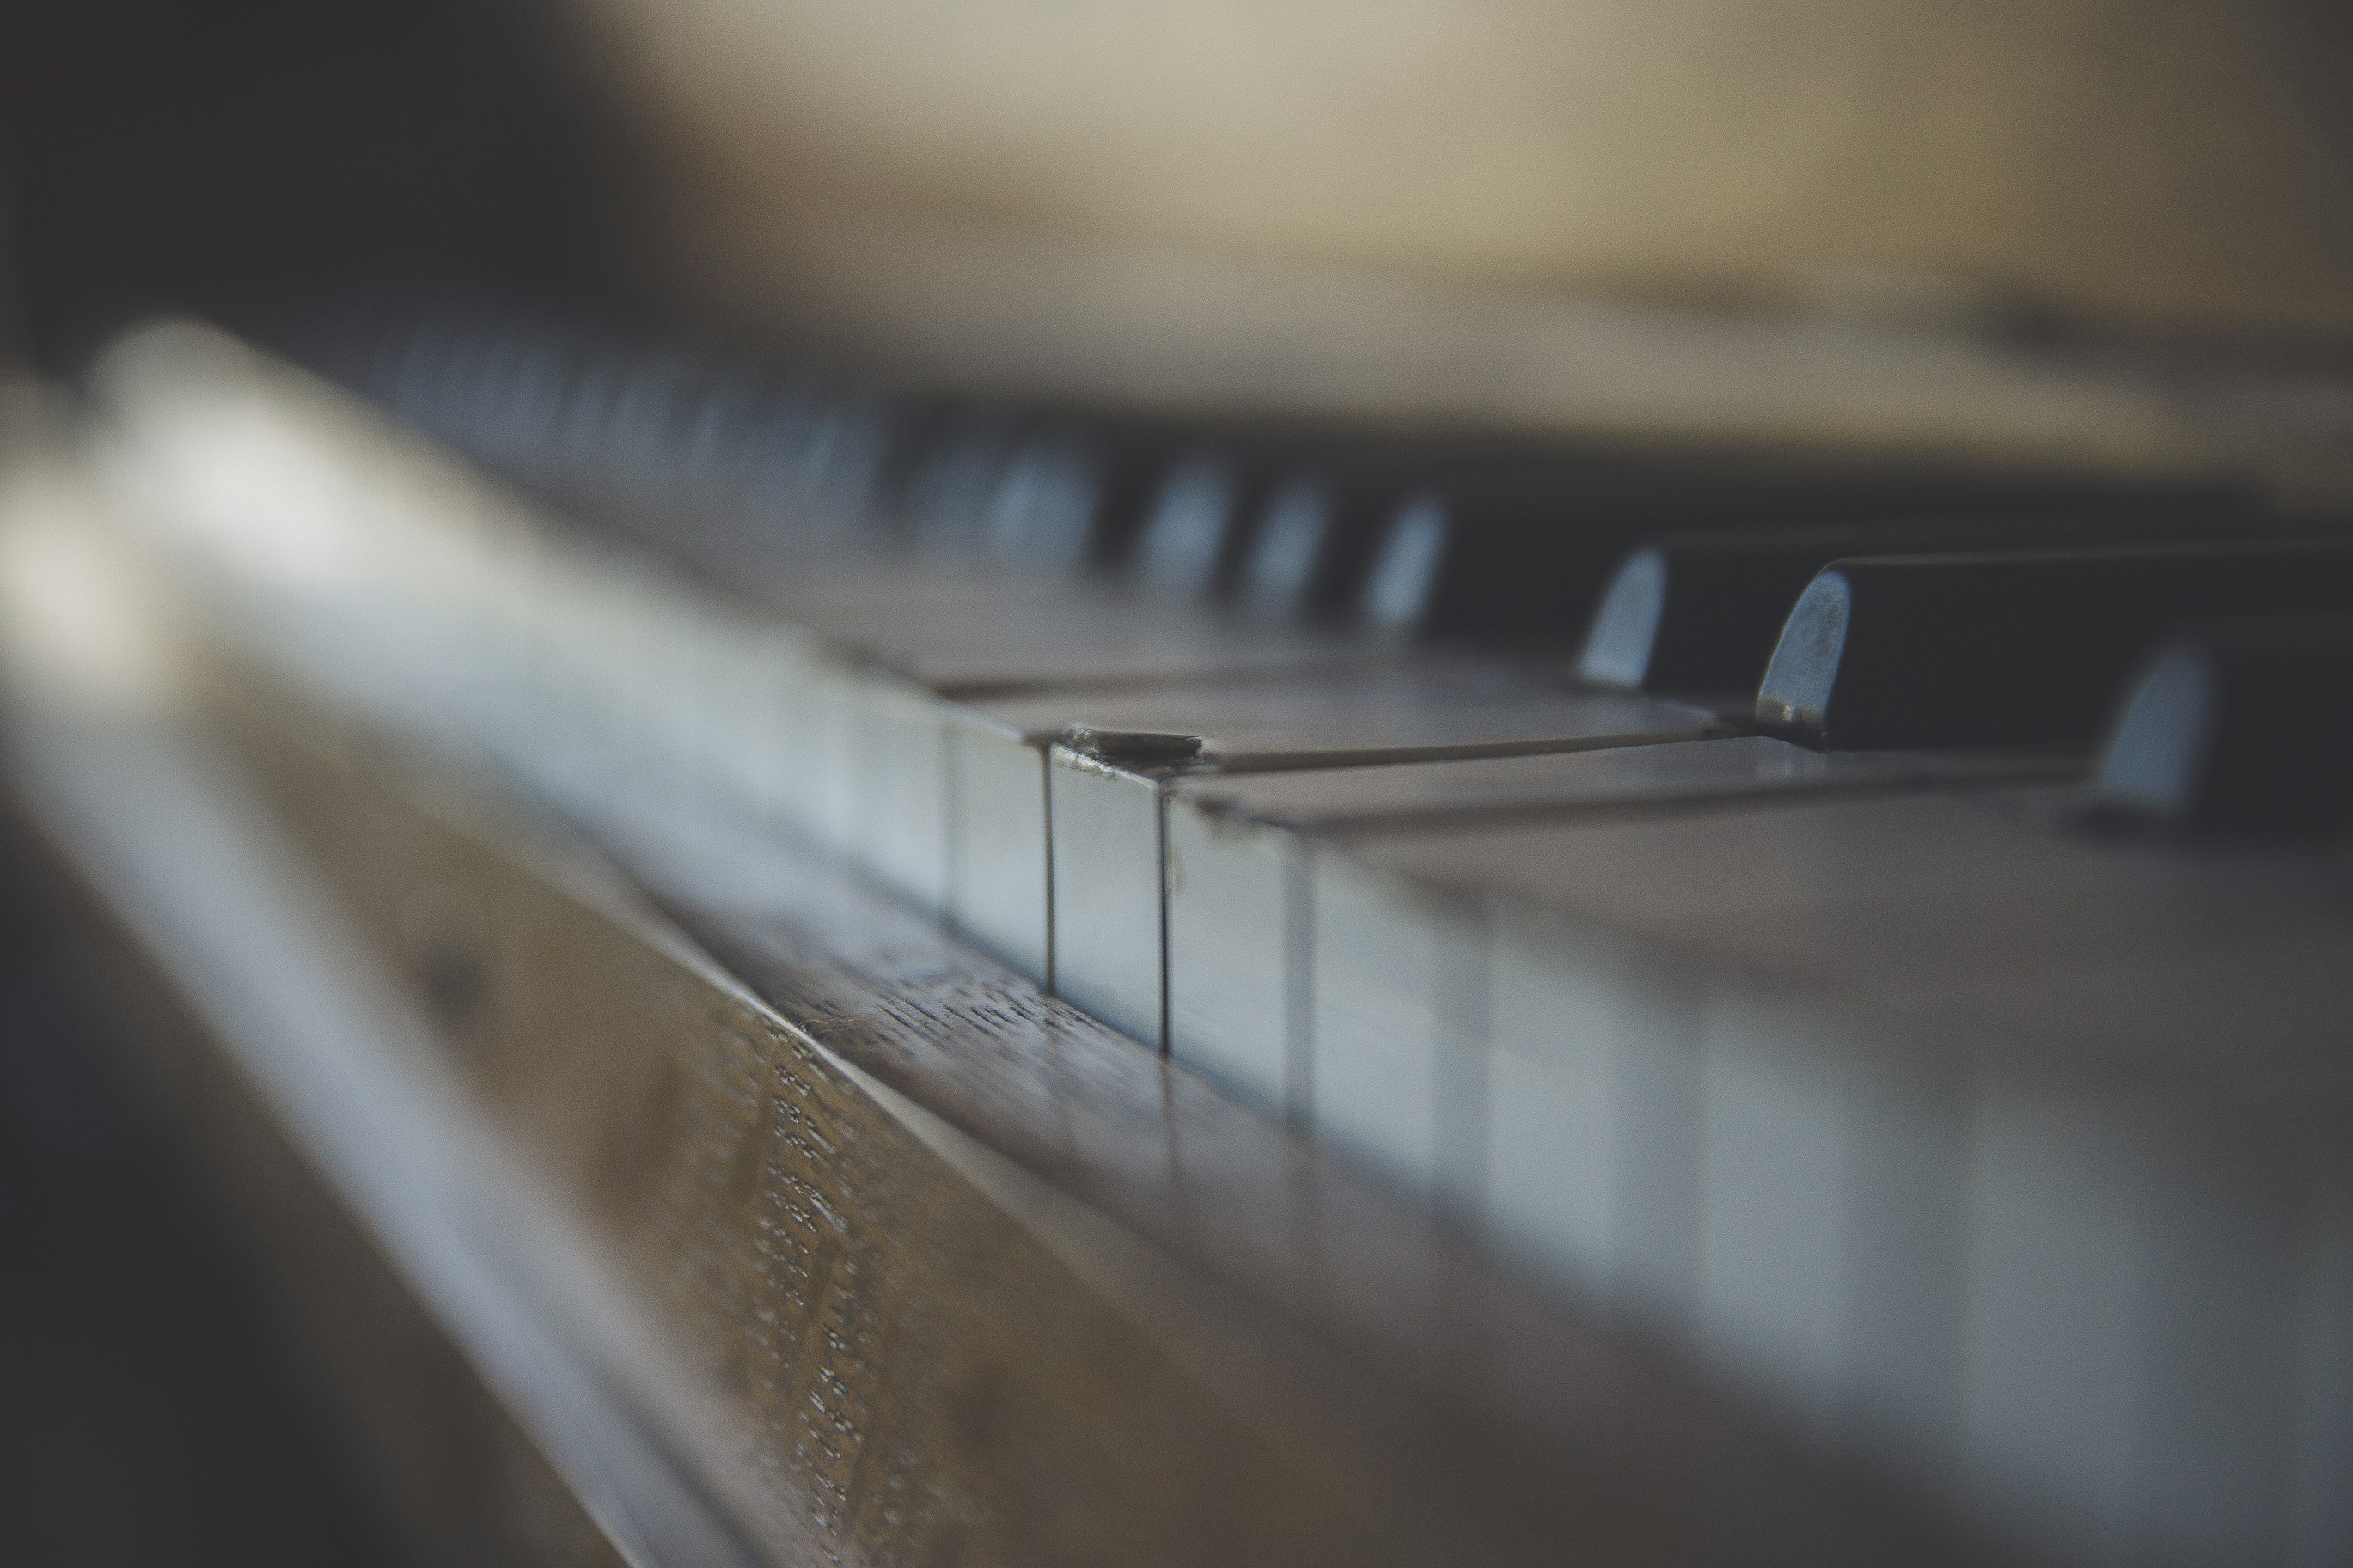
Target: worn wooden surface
(959, 1276)
(881, 1257)
(455, 1476)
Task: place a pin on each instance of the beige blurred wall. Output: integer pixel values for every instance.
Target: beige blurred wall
(2127, 161)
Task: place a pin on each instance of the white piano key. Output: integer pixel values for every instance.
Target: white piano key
(1238, 912)
(1772, 1258)
(1677, 760)
(998, 879)
(999, 875)
(1368, 715)
(1388, 1049)
(1593, 1080)
(1565, 1033)
(1911, 1197)
(2216, 1405)
(762, 753)
(1237, 883)
(2054, 1321)
(1711, 1165)
(1105, 865)
(701, 652)
(1899, 1380)
(683, 646)
(897, 739)
(831, 696)
(968, 629)
(1828, 1191)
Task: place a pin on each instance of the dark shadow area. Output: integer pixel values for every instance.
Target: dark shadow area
(271, 165)
(145, 1416)
(259, 161)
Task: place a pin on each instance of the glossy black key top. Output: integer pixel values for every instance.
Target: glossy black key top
(2239, 727)
(1314, 539)
(944, 498)
(1508, 562)
(1521, 555)
(2015, 648)
(1046, 504)
(1197, 526)
(1193, 525)
(819, 464)
(1700, 612)
(1073, 496)
(1331, 505)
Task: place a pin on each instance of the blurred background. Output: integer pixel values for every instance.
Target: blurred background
(264, 163)
(250, 160)
(1699, 218)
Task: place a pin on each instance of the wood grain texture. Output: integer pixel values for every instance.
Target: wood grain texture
(892, 1260)
(1103, 1316)
(457, 1478)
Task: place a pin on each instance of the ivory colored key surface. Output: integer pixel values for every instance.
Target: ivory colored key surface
(947, 799)
(962, 624)
(1239, 848)
(869, 725)
(1960, 1136)
(994, 784)
(1098, 637)
(997, 878)
(1105, 789)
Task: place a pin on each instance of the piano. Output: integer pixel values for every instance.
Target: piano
(1003, 892)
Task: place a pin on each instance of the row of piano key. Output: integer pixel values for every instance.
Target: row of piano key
(1420, 535)
(1827, 1034)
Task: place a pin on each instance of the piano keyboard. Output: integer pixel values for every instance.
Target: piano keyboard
(1880, 934)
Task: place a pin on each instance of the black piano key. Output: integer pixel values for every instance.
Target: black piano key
(2239, 727)
(758, 449)
(475, 387)
(1041, 509)
(522, 418)
(853, 461)
(656, 407)
(1332, 510)
(714, 425)
(1196, 529)
(783, 459)
(1700, 612)
(1520, 552)
(1313, 540)
(417, 363)
(1074, 497)
(1509, 565)
(942, 500)
(577, 457)
(2016, 647)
